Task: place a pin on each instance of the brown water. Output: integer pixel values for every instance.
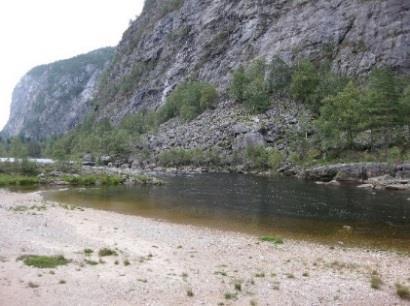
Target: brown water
(258, 205)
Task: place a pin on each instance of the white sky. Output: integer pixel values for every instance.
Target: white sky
(43, 31)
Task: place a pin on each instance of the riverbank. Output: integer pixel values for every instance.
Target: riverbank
(160, 263)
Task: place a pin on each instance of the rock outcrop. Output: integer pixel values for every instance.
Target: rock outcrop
(52, 99)
(174, 40)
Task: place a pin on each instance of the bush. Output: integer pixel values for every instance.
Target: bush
(249, 87)
(17, 180)
(43, 262)
(256, 98)
(305, 80)
(28, 168)
(176, 157)
(238, 85)
(263, 158)
(279, 77)
(188, 101)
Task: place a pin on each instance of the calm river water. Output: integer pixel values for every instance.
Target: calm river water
(279, 206)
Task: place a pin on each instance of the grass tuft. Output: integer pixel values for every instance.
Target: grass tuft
(190, 293)
(230, 296)
(88, 252)
(272, 239)
(375, 282)
(44, 261)
(91, 262)
(107, 252)
(403, 291)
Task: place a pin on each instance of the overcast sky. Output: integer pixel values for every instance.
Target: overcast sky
(43, 31)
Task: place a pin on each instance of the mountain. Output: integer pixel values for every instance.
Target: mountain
(52, 99)
(177, 40)
(205, 39)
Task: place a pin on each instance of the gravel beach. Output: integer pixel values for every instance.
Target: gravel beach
(160, 263)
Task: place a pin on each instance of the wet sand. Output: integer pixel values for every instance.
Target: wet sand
(169, 261)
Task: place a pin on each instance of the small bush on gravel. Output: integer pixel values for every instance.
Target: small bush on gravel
(107, 252)
(403, 291)
(375, 281)
(88, 252)
(91, 262)
(44, 261)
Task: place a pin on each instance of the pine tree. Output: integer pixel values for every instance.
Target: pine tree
(342, 114)
(305, 80)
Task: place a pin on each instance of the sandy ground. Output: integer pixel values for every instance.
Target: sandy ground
(168, 260)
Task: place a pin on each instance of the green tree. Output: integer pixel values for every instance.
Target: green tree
(382, 98)
(305, 80)
(188, 100)
(18, 149)
(256, 99)
(330, 84)
(341, 115)
(238, 85)
(279, 77)
(382, 103)
(403, 115)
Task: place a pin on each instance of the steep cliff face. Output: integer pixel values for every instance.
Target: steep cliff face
(52, 99)
(173, 40)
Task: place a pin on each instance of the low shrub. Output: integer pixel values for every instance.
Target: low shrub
(43, 262)
(107, 252)
(262, 158)
(188, 100)
(15, 180)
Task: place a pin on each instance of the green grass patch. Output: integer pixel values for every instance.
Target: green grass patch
(272, 239)
(92, 180)
(43, 262)
(17, 180)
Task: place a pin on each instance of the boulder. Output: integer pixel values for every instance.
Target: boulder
(250, 139)
(88, 160)
(239, 128)
(355, 172)
(402, 171)
(106, 159)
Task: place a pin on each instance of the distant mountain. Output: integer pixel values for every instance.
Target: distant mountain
(52, 99)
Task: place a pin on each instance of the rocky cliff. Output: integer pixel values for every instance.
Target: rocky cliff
(52, 99)
(173, 40)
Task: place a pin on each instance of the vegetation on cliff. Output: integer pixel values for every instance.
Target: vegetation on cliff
(347, 114)
(365, 117)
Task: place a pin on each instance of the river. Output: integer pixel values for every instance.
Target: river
(281, 206)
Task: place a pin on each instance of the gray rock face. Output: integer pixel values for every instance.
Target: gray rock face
(206, 39)
(224, 132)
(54, 98)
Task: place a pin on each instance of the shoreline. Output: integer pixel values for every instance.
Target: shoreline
(168, 260)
